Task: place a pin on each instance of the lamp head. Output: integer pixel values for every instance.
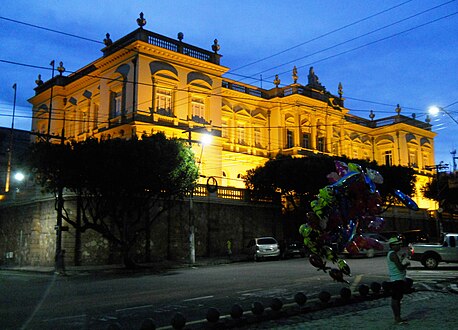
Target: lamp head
(434, 110)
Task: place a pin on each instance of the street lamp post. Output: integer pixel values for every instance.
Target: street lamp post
(192, 243)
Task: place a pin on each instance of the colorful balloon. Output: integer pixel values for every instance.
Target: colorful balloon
(352, 167)
(374, 176)
(341, 167)
(376, 224)
(352, 248)
(406, 200)
(318, 262)
(349, 204)
(337, 275)
(343, 266)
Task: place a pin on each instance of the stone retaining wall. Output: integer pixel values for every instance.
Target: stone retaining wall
(28, 236)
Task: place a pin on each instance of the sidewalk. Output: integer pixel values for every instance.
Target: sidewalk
(423, 310)
(153, 267)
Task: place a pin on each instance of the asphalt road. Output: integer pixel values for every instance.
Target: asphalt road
(93, 300)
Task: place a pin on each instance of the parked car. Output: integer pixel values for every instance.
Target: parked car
(415, 236)
(430, 255)
(291, 248)
(263, 247)
(376, 252)
(409, 236)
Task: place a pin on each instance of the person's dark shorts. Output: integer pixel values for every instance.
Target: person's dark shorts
(397, 289)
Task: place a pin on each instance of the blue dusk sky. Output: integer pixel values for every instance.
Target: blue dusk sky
(383, 52)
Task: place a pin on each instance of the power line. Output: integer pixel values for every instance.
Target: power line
(34, 66)
(253, 77)
(322, 36)
(50, 30)
(245, 100)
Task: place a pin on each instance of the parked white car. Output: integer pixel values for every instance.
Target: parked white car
(263, 247)
(375, 252)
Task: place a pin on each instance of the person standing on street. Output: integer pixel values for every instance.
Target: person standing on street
(397, 272)
(229, 247)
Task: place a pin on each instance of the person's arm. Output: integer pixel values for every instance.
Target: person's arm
(395, 258)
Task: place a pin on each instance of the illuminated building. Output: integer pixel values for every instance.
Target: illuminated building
(146, 83)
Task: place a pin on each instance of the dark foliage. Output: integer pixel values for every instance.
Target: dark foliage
(122, 185)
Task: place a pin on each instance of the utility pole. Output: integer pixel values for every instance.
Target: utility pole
(10, 147)
(192, 243)
(60, 254)
(438, 168)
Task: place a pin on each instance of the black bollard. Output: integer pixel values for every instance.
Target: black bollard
(148, 324)
(300, 298)
(236, 311)
(363, 290)
(276, 304)
(257, 308)
(213, 315)
(178, 321)
(345, 294)
(324, 296)
(376, 287)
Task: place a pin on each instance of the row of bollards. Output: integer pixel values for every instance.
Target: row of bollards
(257, 308)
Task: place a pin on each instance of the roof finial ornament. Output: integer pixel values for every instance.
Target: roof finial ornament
(295, 77)
(141, 21)
(340, 90)
(215, 46)
(107, 41)
(372, 115)
(180, 36)
(398, 110)
(277, 81)
(414, 116)
(427, 120)
(61, 68)
(39, 81)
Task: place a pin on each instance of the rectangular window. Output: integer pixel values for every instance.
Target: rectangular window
(198, 107)
(388, 158)
(116, 104)
(413, 159)
(305, 140)
(224, 130)
(241, 134)
(164, 101)
(95, 114)
(289, 139)
(257, 137)
(320, 144)
(335, 149)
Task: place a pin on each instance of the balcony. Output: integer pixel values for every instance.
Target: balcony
(163, 42)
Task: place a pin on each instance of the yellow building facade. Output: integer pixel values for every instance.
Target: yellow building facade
(146, 83)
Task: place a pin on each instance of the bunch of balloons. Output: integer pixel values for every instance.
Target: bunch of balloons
(349, 202)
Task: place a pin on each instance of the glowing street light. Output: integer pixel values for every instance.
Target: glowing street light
(435, 110)
(206, 139)
(19, 176)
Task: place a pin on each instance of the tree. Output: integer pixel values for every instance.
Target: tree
(444, 189)
(123, 186)
(295, 179)
(298, 181)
